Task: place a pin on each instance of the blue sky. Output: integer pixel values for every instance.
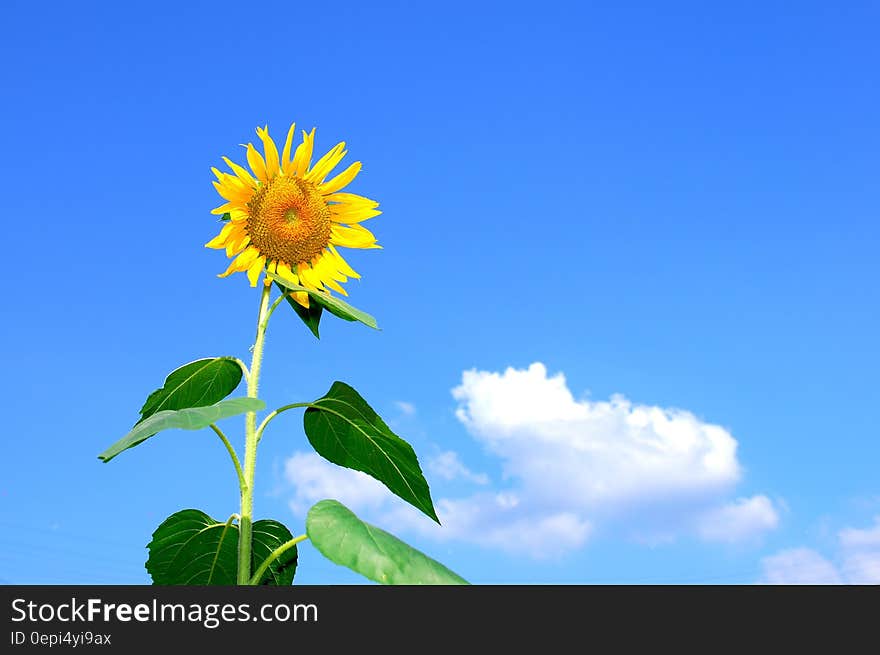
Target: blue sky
(675, 208)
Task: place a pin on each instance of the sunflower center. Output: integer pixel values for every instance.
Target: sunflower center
(288, 220)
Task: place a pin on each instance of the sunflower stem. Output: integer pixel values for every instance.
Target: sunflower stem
(250, 446)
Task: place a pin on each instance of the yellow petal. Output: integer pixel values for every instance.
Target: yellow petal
(345, 214)
(303, 155)
(245, 259)
(351, 199)
(352, 237)
(257, 163)
(234, 182)
(329, 275)
(255, 269)
(284, 271)
(285, 154)
(241, 262)
(308, 277)
(222, 209)
(236, 242)
(271, 151)
(330, 267)
(241, 172)
(229, 271)
(326, 163)
(220, 240)
(232, 194)
(341, 180)
(341, 264)
(335, 286)
(220, 175)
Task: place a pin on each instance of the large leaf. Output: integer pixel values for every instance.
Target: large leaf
(332, 304)
(191, 418)
(344, 429)
(310, 315)
(344, 539)
(197, 384)
(191, 548)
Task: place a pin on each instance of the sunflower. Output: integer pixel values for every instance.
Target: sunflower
(284, 216)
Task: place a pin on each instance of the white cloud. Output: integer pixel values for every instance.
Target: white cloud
(407, 409)
(858, 561)
(853, 538)
(798, 566)
(568, 465)
(596, 452)
(497, 521)
(739, 521)
(448, 466)
(492, 520)
(314, 479)
(862, 567)
(861, 553)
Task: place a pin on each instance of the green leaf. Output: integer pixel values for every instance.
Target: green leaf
(191, 418)
(267, 536)
(310, 315)
(344, 539)
(331, 303)
(191, 548)
(344, 429)
(225, 217)
(197, 384)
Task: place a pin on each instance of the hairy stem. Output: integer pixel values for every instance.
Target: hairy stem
(250, 446)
